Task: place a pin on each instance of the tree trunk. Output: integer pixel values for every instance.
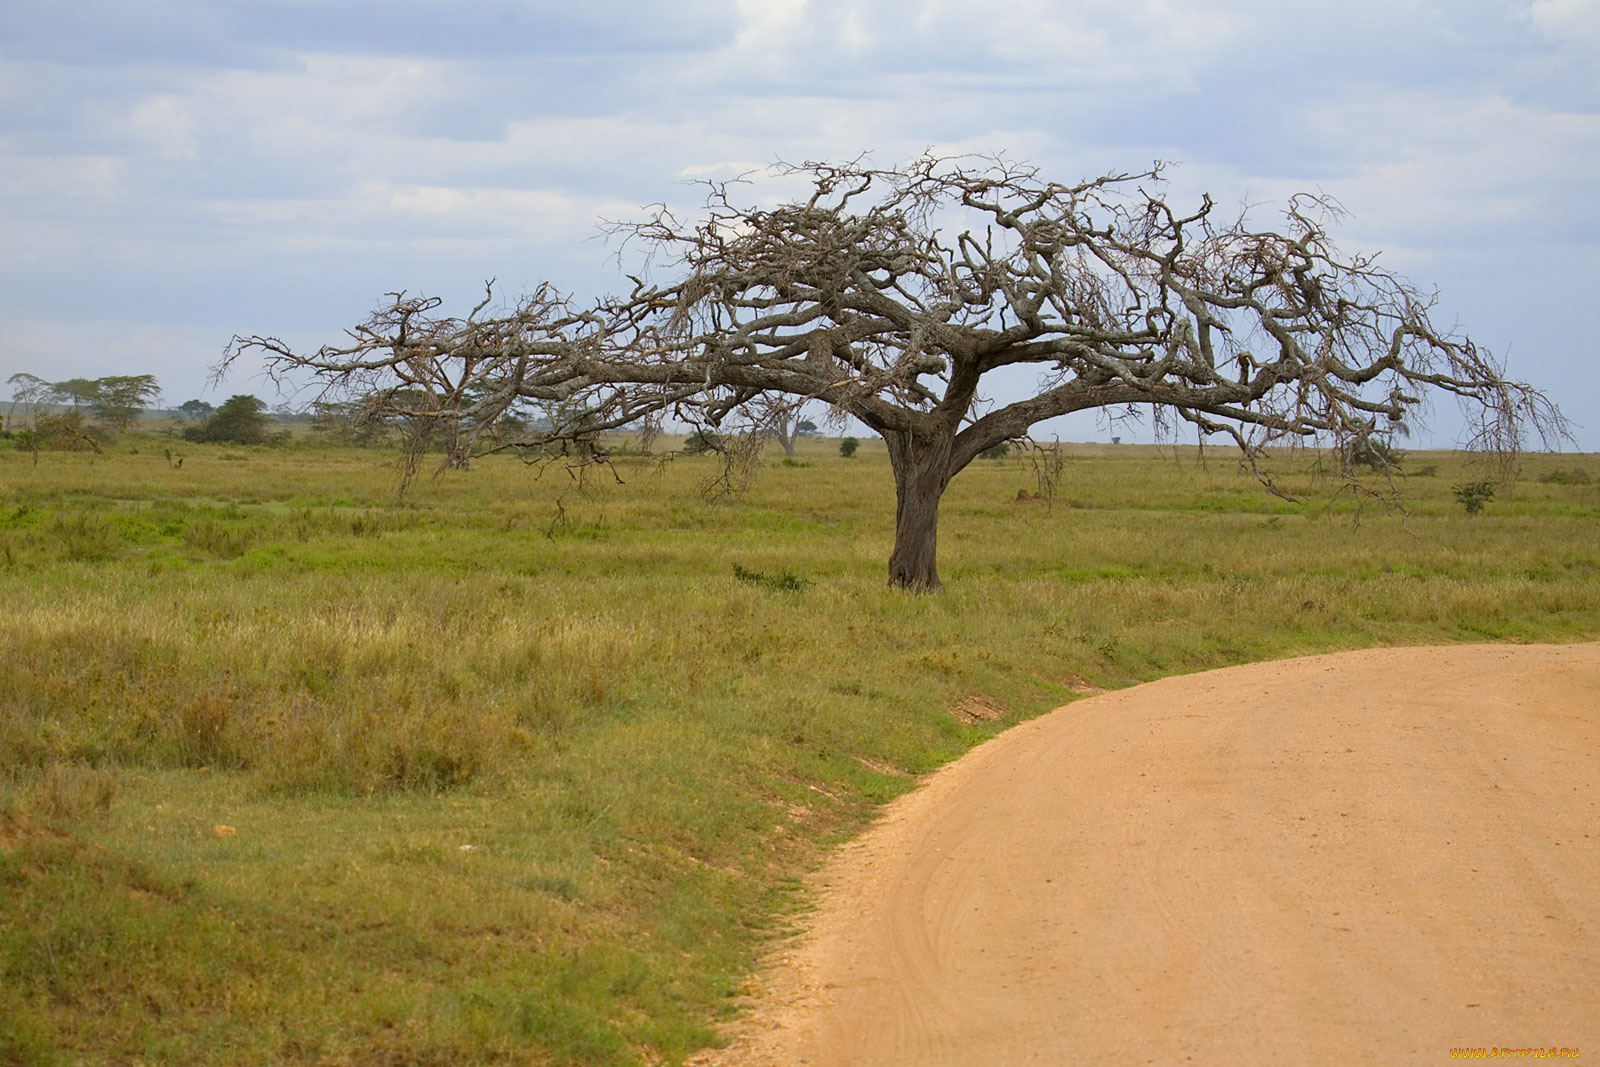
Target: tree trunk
(921, 472)
(457, 446)
(785, 431)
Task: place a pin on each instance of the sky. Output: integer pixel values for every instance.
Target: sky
(173, 172)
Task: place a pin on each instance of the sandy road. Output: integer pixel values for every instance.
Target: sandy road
(1363, 858)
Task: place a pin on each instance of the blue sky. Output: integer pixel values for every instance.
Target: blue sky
(175, 171)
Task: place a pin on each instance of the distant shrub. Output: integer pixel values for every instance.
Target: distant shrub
(782, 582)
(241, 420)
(702, 440)
(848, 446)
(999, 451)
(68, 431)
(1473, 495)
(1374, 453)
(1575, 476)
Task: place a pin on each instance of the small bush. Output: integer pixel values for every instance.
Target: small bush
(782, 582)
(702, 440)
(1371, 452)
(1473, 495)
(848, 446)
(1575, 476)
(999, 451)
(67, 432)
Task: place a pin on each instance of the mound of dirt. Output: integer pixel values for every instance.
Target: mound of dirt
(1368, 857)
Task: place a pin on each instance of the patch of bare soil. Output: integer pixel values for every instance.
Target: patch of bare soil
(20, 827)
(978, 708)
(1368, 857)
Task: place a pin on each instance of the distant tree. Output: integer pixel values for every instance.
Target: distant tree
(195, 410)
(30, 391)
(242, 419)
(848, 447)
(118, 400)
(806, 428)
(349, 422)
(78, 392)
(115, 400)
(895, 295)
(776, 417)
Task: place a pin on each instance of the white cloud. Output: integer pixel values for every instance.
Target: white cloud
(1431, 164)
(325, 177)
(164, 125)
(46, 178)
(1571, 22)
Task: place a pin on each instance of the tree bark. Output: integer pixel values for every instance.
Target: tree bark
(921, 472)
(457, 446)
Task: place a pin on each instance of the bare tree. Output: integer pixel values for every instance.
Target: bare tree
(777, 417)
(450, 379)
(891, 294)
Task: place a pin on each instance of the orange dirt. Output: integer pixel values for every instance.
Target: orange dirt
(1368, 857)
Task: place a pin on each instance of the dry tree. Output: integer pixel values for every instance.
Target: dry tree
(893, 295)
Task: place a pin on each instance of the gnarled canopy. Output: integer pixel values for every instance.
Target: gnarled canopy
(892, 294)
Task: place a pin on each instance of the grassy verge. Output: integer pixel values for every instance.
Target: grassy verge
(496, 785)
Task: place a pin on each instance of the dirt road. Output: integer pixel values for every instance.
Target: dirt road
(1363, 858)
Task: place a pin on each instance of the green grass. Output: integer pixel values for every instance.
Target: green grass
(508, 787)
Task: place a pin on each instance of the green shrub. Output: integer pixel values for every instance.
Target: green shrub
(67, 432)
(1374, 453)
(848, 446)
(702, 440)
(241, 420)
(1473, 495)
(1575, 476)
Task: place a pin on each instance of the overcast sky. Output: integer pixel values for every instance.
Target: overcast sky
(175, 171)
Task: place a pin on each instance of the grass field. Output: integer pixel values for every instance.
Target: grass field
(294, 772)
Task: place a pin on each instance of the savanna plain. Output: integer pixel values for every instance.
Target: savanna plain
(517, 768)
